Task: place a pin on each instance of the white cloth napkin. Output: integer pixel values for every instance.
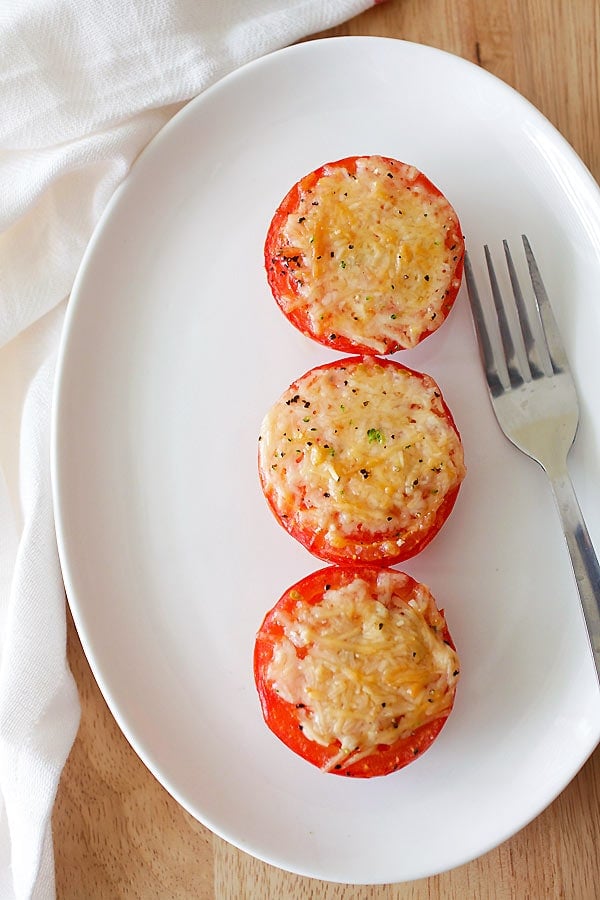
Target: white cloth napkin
(84, 85)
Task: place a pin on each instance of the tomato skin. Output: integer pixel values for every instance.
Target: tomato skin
(281, 716)
(284, 285)
(356, 550)
(369, 553)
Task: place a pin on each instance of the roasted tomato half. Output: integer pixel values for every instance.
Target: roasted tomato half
(356, 670)
(365, 255)
(360, 460)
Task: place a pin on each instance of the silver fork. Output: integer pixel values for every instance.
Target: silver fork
(534, 398)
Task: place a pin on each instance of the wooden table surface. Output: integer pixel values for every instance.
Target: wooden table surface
(117, 833)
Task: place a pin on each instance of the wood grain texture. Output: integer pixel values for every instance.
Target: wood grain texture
(117, 833)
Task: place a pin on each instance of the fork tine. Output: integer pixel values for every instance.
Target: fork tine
(511, 335)
(556, 351)
(497, 376)
(534, 349)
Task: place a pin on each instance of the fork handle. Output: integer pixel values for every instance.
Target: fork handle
(583, 557)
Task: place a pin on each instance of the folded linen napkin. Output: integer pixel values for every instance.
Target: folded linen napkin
(83, 87)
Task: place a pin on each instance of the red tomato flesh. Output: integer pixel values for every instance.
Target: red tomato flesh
(359, 274)
(403, 505)
(284, 717)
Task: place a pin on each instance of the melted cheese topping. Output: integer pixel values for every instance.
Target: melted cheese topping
(375, 254)
(360, 448)
(371, 669)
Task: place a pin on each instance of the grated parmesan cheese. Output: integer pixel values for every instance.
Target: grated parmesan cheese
(364, 668)
(360, 448)
(374, 254)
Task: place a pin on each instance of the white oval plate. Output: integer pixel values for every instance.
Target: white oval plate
(174, 349)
